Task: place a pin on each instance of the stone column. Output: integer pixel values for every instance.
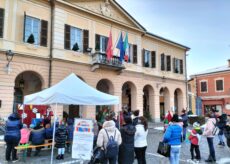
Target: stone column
(156, 112)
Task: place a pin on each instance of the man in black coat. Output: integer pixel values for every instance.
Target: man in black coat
(12, 136)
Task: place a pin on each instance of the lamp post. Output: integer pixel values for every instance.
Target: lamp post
(9, 58)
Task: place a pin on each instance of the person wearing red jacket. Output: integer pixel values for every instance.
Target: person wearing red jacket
(194, 139)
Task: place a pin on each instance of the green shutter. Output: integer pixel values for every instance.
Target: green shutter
(168, 62)
(67, 37)
(153, 58)
(44, 32)
(1, 22)
(134, 54)
(85, 40)
(162, 62)
(97, 42)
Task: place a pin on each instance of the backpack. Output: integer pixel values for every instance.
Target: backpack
(111, 149)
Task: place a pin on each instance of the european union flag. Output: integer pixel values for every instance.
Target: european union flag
(120, 46)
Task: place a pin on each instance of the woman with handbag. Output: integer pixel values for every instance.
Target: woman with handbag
(208, 132)
(172, 136)
(140, 140)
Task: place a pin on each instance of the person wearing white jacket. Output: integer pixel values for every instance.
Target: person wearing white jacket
(140, 140)
(102, 139)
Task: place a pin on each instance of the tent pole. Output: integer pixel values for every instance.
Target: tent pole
(54, 128)
(23, 113)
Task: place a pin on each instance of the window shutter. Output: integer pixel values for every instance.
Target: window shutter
(85, 40)
(168, 59)
(153, 57)
(162, 62)
(97, 42)
(181, 67)
(143, 57)
(1, 22)
(134, 54)
(67, 37)
(174, 65)
(44, 32)
(24, 31)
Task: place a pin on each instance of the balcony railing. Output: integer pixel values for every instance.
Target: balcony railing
(99, 60)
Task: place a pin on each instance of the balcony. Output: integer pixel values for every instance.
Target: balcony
(99, 61)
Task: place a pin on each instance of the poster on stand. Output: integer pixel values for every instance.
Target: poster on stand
(82, 139)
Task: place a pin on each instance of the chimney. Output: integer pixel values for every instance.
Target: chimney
(228, 62)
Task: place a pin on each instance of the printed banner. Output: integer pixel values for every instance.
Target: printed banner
(82, 139)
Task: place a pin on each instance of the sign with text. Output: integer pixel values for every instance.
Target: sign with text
(82, 139)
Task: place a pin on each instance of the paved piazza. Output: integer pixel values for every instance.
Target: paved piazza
(154, 137)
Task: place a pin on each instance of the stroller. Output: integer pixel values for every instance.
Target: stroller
(97, 156)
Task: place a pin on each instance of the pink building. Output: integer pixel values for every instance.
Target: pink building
(213, 88)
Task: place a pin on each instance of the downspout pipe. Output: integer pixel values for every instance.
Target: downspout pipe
(52, 5)
(186, 79)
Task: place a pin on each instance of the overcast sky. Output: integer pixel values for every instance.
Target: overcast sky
(202, 25)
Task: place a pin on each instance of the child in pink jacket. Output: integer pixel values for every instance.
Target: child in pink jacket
(25, 134)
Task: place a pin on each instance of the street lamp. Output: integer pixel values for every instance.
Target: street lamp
(9, 57)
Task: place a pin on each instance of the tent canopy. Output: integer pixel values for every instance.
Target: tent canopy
(71, 90)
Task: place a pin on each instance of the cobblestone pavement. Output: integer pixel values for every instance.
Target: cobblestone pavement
(152, 157)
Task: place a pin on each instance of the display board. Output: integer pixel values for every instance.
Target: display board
(82, 139)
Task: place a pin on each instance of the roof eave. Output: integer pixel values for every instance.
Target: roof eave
(167, 40)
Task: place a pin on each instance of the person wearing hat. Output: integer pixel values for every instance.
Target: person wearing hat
(172, 136)
(195, 139)
(12, 136)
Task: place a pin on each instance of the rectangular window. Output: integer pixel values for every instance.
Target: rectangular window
(168, 62)
(1, 22)
(32, 30)
(146, 58)
(130, 53)
(153, 59)
(76, 39)
(101, 43)
(162, 62)
(35, 31)
(219, 85)
(203, 86)
(176, 65)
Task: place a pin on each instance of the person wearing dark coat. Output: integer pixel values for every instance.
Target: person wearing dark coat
(60, 139)
(135, 117)
(70, 129)
(37, 137)
(221, 125)
(12, 136)
(126, 149)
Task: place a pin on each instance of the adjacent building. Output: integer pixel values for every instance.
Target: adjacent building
(213, 89)
(49, 39)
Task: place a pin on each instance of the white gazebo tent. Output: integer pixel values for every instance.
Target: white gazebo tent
(71, 90)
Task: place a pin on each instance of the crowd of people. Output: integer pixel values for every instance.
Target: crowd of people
(120, 139)
(176, 132)
(20, 134)
(130, 136)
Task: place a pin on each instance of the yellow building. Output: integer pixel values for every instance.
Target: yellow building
(52, 38)
(192, 95)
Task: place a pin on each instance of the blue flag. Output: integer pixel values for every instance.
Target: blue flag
(120, 46)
